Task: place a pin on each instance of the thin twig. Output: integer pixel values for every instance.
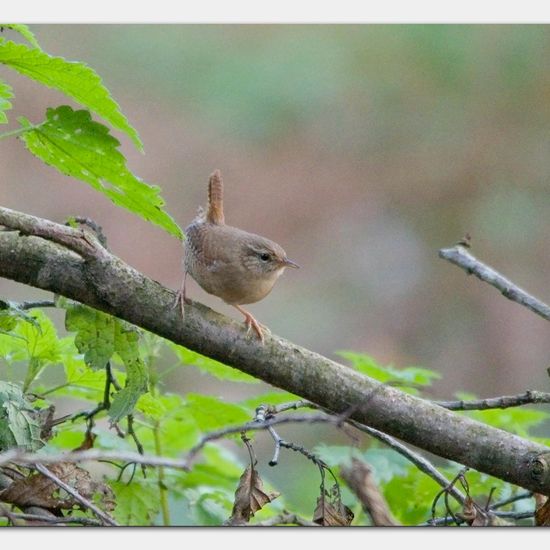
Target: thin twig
(91, 522)
(292, 406)
(459, 256)
(7, 513)
(108, 520)
(20, 457)
(418, 460)
(510, 500)
(285, 518)
(254, 425)
(502, 402)
(459, 521)
(36, 304)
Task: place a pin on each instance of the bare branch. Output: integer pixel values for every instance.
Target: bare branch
(54, 520)
(502, 402)
(459, 256)
(423, 464)
(107, 519)
(99, 279)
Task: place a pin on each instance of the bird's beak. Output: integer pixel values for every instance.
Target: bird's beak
(289, 263)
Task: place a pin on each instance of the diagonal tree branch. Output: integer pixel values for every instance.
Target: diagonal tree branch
(95, 277)
(459, 256)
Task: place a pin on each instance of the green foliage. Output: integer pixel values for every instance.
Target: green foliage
(136, 503)
(164, 423)
(76, 80)
(33, 342)
(210, 366)
(6, 94)
(407, 379)
(211, 413)
(82, 148)
(99, 336)
(24, 31)
(19, 426)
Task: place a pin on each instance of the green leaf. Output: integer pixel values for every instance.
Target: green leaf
(5, 95)
(34, 343)
(81, 381)
(24, 31)
(95, 334)
(210, 366)
(177, 429)
(11, 314)
(407, 377)
(76, 80)
(410, 497)
(386, 464)
(18, 422)
(136, 503)
(137, 375)
(79, 147)
(336, 455)
(514, 419)
(98, 337)
(212, 413)
(210, 507)
(218, 469)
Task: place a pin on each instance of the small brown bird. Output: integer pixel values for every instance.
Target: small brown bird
(238, 267)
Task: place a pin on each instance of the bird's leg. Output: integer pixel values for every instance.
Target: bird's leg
(251, 322)
(180, 296)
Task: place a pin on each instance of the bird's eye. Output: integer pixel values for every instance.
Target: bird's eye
(265, 257)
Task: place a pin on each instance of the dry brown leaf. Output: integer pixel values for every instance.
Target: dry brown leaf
(87, 443)
(542, 512)
(249, 497)
(331, 511)
(38, 490)
(476, 516)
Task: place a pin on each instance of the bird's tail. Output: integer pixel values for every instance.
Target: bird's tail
(214, 214)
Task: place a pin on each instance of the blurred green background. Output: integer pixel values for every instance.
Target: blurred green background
(362, 150)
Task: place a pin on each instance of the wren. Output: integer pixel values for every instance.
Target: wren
(237, 266)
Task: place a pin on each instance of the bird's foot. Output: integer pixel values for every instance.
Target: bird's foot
(250, 322)
(180, 301)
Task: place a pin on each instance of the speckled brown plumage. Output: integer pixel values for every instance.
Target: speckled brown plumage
(237, 266)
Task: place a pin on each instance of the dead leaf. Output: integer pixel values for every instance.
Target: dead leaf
(331, 511)
(542, 512)
(37, 490)
(249, 497)
(473, 515)
(87, 443)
